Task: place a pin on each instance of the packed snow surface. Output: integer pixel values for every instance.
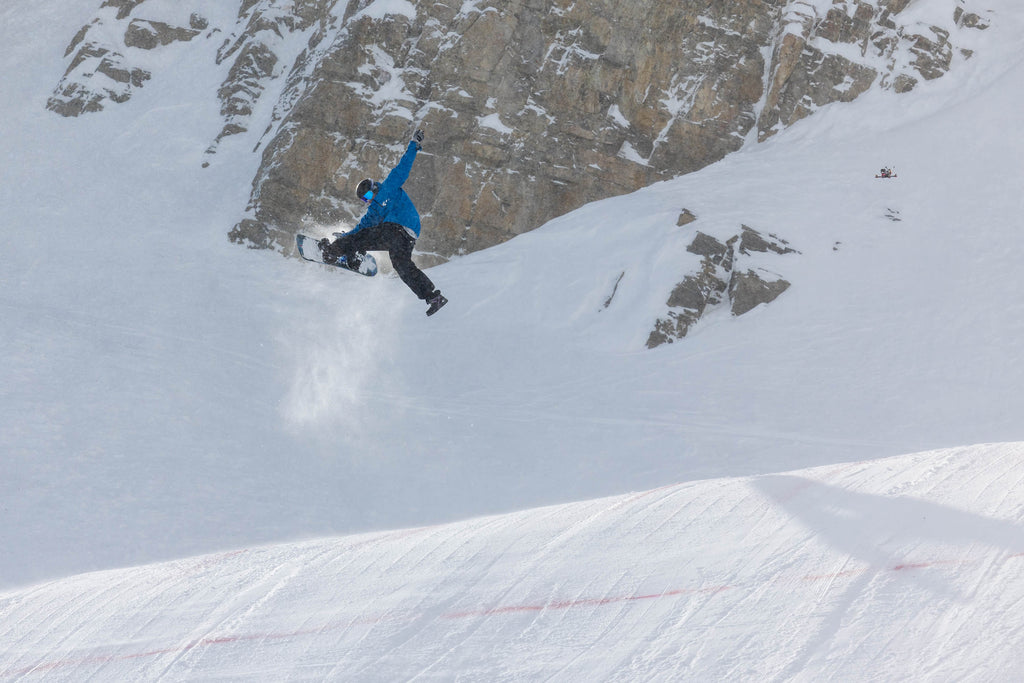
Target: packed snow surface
(165, 394)
(908, 567)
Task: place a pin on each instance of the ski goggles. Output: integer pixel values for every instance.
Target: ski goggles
(368, 196)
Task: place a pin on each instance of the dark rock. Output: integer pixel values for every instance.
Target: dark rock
(751, 240)
(73, 97)
(707, 246)
(719, 279)
(685, 218)
(748, 290)
(969, 19)
(149, 35)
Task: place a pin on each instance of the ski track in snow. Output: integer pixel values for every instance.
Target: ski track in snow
(796, 576)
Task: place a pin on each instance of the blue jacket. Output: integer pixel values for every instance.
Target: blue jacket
(391, 204)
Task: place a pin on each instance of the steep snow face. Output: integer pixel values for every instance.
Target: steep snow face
(903, 568)
(164, 394)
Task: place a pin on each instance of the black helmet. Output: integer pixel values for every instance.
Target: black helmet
(366, 189)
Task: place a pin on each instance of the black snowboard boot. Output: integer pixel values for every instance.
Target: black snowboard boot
(326, 255)
(435, 302)
(353, 261)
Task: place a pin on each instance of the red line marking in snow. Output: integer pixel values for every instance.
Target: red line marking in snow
(582, 602)
(904, 566)
(468, 614)
(928, 565)
(251, 637)
(220, 640)
(913, 565)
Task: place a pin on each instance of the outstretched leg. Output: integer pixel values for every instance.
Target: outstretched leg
(394, 239)
(400, 245)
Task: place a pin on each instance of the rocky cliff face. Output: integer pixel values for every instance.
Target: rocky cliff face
(531, 108)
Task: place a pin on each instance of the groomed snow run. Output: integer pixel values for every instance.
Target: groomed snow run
(909, 567)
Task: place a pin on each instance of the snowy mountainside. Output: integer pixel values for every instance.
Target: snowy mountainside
(165, 395)
(906, 567)
(555, 102)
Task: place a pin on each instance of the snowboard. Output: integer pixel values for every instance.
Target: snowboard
(367, 267)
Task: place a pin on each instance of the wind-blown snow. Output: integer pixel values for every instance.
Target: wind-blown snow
(165, 394)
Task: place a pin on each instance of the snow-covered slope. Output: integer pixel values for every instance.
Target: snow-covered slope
(903, 568)
(165, 394)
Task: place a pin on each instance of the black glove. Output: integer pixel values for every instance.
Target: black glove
(417, 137)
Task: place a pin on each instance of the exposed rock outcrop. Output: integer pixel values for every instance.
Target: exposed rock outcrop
(685, 218)
(750, 289)
(100, 70)
(96, 74)
(721, 280)
(257, 53)
(149, 35)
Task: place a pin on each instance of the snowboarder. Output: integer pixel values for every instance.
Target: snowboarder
(392, 224)
(887, 173)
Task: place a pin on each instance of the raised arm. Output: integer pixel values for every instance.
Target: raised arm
(400, 173)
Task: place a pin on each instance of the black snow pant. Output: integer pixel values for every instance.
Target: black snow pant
(394, 239)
